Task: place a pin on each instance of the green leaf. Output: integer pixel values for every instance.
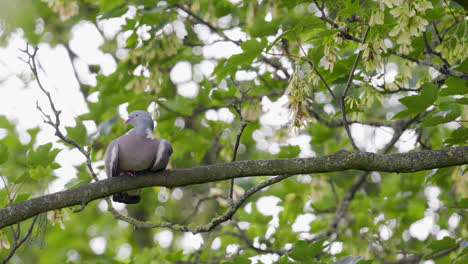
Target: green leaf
(251, 50)
(261, 28)
(39, 156)
(318, 225)
(454, 86)
(132, 41)
(458, 137)
(461, 260)
(439, 175)
(21, 178)
(3, 153)
(450, 111)
(439, 245)
(83, 172)
(77, 133)
(303, 251)
(116, 12)
(222, 8)
(289, 152)
(418, 103)
(300, 251)
(43, 155)
(22, 197)
(175, 256)
(463, 100)
(40, 172)
(33, 133)
(106, 5)
(463, 203)
(433, 121)
(287, 32)
(434, 13)
(402, 114)
(367, 261)
(239, 260)
(309, 21)
(74, 182)
(289, 3)
(349, 9)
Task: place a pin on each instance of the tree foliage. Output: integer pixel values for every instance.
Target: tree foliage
(385, 76)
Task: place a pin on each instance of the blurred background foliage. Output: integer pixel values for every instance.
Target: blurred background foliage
(395, 103)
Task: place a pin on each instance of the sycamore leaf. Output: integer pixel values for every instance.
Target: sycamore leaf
(77, 133)
(418, 103)
(175, 256)
(303, 251)
(458, 136)
(251, 50)
(454, 86)
(43, 155)
(40, 172)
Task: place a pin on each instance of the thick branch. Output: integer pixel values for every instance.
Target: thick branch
(342, 160)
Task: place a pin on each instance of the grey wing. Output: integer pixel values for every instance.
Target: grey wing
(163, 154)
(111, 160)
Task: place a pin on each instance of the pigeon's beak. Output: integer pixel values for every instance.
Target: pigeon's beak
(126, 121)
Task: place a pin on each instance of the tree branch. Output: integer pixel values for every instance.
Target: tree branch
(340, 161)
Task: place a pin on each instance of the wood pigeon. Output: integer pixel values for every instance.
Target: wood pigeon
(137, 150)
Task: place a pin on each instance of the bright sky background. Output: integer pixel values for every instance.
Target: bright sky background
(18, 100)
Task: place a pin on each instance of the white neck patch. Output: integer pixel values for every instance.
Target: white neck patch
(149, 134)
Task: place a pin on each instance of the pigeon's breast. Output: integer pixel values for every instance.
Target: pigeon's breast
(136, 152)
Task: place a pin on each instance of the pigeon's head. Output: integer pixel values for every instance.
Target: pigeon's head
(140, 119)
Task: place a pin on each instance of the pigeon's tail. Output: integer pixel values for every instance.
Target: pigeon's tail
(130, 197)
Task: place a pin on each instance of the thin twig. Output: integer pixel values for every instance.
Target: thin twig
(417, 258)
(399, 129)
(315, 68)
(400, 89)
(203, 228)
(242, 235)
(429, 50)
(31, 61)
(238, 109)
(163, 105)
(447, 29)
(197, 206)
(82, 207)
(332, 185)
(277, 66)
(16, 243)
(439, 38)
(451, 12)
(439, 68)
(348, 85)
